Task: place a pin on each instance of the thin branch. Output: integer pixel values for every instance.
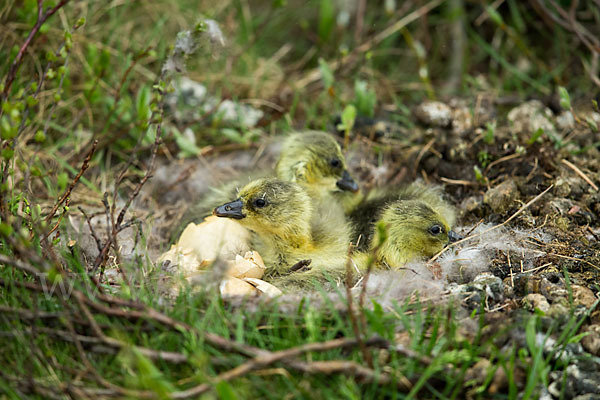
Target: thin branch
(18, 61)
(67, 193)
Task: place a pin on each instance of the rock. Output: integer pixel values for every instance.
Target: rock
(591, 342)
(462, 121)
(579, 383)
(557, 206)
(491, 284)
(536, 301)
(190, 100)
(528, 117)
(434, 113)
(501, 197)
(484, 286)
(565, 120)
(553, 288)
(561, 188)
(588, 396)
(471, 205)
(583, 295)
(558, 312)
(479, 372)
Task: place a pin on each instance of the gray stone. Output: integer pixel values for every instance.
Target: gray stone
(501, 197)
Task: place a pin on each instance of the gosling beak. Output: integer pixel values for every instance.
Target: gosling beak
(233, 209)
(454, 237)
(347, 183)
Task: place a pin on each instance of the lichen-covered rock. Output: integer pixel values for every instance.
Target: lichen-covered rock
(528, 117)
(535, 301)
(483, 286)
(434, 113)
(561, 188)
(501, 197)
(470, 204)
(565, 120)
(580, 380)
(491, 284)
(583, 295)
(591, 342)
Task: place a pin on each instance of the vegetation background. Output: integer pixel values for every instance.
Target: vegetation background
(84, 122)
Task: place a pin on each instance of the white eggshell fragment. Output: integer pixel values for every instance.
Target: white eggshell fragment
(249, 266)
(199, 245)
(264, 287)
(215, 237)
(231, 287)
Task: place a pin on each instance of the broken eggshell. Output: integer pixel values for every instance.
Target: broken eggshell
(264, 287)
(231, 287)
(200, 245)
(249, 266)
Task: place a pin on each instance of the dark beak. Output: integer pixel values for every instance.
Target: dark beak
(454, 237)
(347, 183)
(233, 209)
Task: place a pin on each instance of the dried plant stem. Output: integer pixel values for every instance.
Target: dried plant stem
(351, 313)
(580, 173)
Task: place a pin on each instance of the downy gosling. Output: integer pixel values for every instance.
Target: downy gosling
(289, 227)
(312, 159)
(414, 231)
(365, 215)
(315, 160)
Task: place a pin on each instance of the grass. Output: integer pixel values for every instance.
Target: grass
(102, 80)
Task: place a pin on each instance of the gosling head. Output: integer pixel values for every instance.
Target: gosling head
(415, 230)
(314, 158)
(271, 207)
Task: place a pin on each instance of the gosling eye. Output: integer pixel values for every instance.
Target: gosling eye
(260, 203)
(436, 230)
(335, 163)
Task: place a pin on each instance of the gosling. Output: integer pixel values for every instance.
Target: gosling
(312, 159)
(291, 230)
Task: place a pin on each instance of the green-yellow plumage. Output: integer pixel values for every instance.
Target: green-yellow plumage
(289, 227)
(312, 159)
(364, 215)
(418, 223)
(414, 231)
(315, 160)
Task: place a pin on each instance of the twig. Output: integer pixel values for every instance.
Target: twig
(580, 173)
(458, 182)
(20, 265)
(18, 61)
(154, 354)
(422, 153)
(67, 193)
(351, 314)
(117, 97)
(459, 43)
(501, 160)
(326, 367)
(360, 20)
(523, 208)
(92, 231)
